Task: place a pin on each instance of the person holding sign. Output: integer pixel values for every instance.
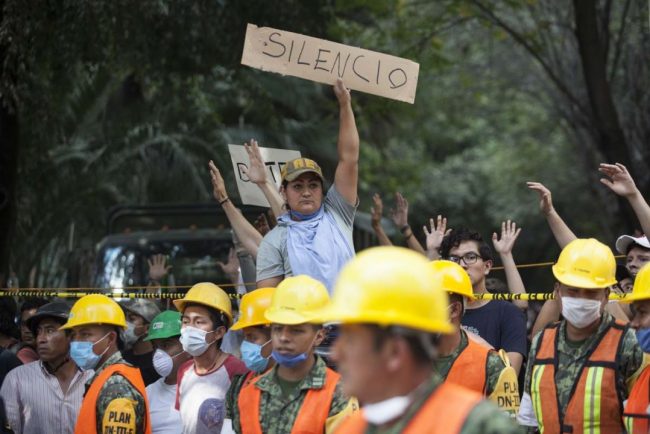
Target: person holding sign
(115, 400)
(315, 236)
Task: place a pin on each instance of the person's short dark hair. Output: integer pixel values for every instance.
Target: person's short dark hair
(457, 236)
(622, 272)
(495, 285)
(32, 303)
(635, 245)
(8, 326)
(420, 354)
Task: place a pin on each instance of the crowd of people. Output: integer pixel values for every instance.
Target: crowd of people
(389, 340)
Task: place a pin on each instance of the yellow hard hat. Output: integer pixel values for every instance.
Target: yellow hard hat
(451, 277)
(641, 288)
(208, 294)
(586, 264)
(296, 301)
(95, 309)
(252, 308)
(390, 286)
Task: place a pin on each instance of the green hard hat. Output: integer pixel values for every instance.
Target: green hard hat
(166, 324)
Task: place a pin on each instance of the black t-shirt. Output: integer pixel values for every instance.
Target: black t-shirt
(8, 361)
(501, 324)
(145, 363)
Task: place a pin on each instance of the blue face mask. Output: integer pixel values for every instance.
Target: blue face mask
(251, 355)
(643, 336)
(83, 355)
(289, 361)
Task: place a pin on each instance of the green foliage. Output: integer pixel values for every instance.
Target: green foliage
(125, 102)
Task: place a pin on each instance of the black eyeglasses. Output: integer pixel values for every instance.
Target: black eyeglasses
(468, 258)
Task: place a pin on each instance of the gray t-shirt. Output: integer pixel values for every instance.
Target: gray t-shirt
(272, 256)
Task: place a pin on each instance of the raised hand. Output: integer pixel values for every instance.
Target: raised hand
(618, 179)
(509, 234)
(545, 197)
(231, 267)
(435, 235)
(256, 170)
(342, 93)
(158, 268)
(218, 184)
(377, 210)
(400, 213)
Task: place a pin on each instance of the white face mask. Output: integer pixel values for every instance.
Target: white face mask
(383, 412)
(580, 312)
(193, 340)
(163, 363)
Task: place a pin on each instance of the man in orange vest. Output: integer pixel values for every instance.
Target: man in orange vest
(392, 310)
(637, 409)
(115, 400)
(300, 394)
(463, 361)
(581, 368)
(255, 348)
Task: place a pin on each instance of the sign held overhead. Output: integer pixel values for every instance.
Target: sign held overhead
(275, 159)
(324, 61)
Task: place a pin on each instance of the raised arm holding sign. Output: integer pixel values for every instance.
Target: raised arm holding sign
(324, 61)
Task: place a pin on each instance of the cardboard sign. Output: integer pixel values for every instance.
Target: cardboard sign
(274, 159)
(323, 61)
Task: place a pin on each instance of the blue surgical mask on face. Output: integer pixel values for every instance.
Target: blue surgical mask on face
(83, 355)
(643, 336)
(289, 361)
(251, 355)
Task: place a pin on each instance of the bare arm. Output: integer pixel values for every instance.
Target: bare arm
(562, 233)
(271, 282)
(400, 216)
(509, 234)
(247, 234)
(376, 212)
(620, 182)
(435, 235)
(347, 170)
(516, 360)
(550, 313)
(256, 172)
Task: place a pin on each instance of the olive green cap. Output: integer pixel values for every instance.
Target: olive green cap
(165, 325)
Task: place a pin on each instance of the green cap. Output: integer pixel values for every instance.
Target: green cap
(165, 325)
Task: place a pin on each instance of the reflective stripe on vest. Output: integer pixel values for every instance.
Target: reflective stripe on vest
(452, 401)
(87, 419)
(595, 403)
(636, 418)
(465, 370)
(313, 412)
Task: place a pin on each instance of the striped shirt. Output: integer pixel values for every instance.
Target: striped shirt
(35, 403)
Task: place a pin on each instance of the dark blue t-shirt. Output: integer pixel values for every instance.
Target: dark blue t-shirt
(501, 324)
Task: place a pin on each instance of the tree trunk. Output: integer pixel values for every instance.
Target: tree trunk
(607, 130)
(8, 171)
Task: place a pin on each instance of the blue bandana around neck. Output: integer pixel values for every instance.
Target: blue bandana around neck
(316, 246)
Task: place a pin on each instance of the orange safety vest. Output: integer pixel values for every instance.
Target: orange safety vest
(596, 402)
(465, 370)
(452, 401)
(87, 419)
(311, 418)
(636, 418)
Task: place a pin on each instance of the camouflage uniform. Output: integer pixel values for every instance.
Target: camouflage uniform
(494, 364)
(571, 356)
(485, 418)
(117, 387)
(278, 413)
